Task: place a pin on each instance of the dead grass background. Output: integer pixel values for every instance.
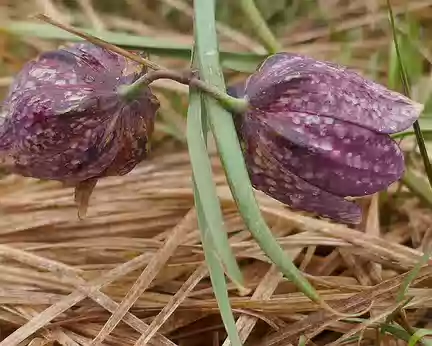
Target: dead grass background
(61, 279)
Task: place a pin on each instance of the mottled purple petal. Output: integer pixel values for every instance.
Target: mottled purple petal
(66, 68)
(271, 176)
(64, 119)
(290, 82)
(341, 158)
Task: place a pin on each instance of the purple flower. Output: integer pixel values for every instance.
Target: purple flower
(65, 120)
(316, 133)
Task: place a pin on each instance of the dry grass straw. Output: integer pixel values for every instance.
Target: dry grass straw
(149, 273)
(137, 258)
(133, 272)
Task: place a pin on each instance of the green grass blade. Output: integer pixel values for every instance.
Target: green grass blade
(302, 341)
(385, 327)
(393, 74)
(406, 88)
(125, 40)
(216, 275)
(396, 331)
(238, 61)
(411, 33)
(197, 118)
(202, 171)
(223, 129)
(418, 335)
(412, 275)
(259, 25)
(410, 57)
(400, 333)
(391, 328)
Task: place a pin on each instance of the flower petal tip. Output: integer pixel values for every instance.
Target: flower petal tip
(418, 107)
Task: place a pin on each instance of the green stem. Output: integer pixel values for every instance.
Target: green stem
(222, 126)
(232, 104)
(206, 188)
(197, 127)
(260, 26)
(216, 275)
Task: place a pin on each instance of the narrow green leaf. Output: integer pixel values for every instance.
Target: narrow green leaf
(410, 57)
(396, 331)
(412, 275)
(222, 126)
(202, 171)
(215, 268)
(302, 341)
(259, 24)
(216, 276)
(400, 333)
(419, 334)
(240, 65)
(393, 74)
(238, 61)
(406, 88)
(386, 327)
(411, 33)
(391, 328)
(125, 40)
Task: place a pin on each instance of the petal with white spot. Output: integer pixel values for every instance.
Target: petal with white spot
(295, 83)
(269, 175)
(341, 158)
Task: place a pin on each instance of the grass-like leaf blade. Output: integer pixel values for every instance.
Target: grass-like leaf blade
(203, 180)
(216, 271)
(222, 126)
(406, 89)
(238, 61)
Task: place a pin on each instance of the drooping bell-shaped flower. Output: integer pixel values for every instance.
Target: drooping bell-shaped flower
(64, 118)
(316, 132)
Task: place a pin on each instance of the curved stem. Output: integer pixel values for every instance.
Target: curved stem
(260, 26)
(232, 104)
